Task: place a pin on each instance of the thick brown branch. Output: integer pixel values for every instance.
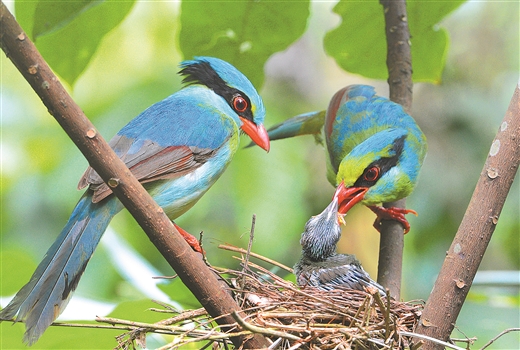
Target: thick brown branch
(399, 63)
(189, 266)
(475, 231)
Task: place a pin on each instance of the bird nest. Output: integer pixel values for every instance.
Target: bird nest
(290, 317)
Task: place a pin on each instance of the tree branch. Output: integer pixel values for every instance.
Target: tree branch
(189, 266)
(475, 231)
(399, 63)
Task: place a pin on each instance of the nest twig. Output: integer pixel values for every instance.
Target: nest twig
(290, 316)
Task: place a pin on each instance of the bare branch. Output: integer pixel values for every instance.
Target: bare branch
(475, 231)
(499, 335)
(399, 63)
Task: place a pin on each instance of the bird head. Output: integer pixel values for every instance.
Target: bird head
(373, 172)
(238, 92)
(375, 148)
(322, 233)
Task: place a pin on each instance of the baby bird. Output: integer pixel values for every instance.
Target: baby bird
(320, 266)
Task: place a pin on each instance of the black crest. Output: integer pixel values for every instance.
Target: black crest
(201, 72)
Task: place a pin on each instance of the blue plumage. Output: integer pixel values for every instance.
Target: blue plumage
(375, 149)
(177, 148)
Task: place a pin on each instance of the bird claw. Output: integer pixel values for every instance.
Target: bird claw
(392, 213)
(190, 239)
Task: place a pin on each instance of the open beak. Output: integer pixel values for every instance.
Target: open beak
(332, 209)
(348, 197)
(257, 133)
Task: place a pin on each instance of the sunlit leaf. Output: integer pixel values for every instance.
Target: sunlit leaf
(51, 15)
(180, 293)
(69, 44)
(244, 33)
(137, 310)
(358, 44)
(16, 266)
(60, 337)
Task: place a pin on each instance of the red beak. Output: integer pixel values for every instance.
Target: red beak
(257, 133)
(348, 197)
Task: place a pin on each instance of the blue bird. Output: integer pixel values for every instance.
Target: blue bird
(320, 266)
(177, 149)
(375, 149)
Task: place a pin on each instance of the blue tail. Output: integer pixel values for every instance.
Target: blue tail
(303, 124)
(47, 293)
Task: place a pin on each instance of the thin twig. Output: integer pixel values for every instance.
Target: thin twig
(255, 255)
(498, 336)
(433, 340)
(264, 331)
(245, 265)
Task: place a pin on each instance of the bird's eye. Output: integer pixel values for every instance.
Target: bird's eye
(239, 104)
(371, 174)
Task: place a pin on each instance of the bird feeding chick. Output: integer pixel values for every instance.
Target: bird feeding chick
(320, 265)
(374, 150)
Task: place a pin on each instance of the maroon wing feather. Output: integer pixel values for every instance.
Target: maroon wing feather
(151, 162)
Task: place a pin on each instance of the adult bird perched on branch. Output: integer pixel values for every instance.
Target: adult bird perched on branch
(177, 149)
(320, 266)
(375, 149)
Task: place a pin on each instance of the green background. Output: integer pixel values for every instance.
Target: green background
(117, 58)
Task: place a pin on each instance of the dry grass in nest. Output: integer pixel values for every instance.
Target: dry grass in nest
(289, 316)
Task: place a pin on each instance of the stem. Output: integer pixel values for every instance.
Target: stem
(399, 63)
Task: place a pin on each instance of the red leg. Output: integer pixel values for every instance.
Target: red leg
(391, 214)
(192, 241)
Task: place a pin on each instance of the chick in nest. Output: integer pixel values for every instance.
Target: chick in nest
(320, 265)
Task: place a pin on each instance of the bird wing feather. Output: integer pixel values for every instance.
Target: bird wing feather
(151, 162)
(182, 141)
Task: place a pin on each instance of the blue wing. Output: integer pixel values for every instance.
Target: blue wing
(356, 113)
(169, 139)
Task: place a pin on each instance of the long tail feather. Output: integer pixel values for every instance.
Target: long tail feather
(48, 291)
(303, 124)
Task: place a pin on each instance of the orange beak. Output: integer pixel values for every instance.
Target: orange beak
(257, 133)
(348, 197)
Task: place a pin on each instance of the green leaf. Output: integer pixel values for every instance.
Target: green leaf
(13, 263)
(244, 33)
(359, 45)
(51, 15)
(178, 291)
(60, 337)
(138, 310)
(69, 38)
(25, 11)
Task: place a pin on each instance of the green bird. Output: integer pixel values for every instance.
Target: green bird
(375, 149)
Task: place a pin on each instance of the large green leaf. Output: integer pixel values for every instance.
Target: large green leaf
(51, 15)
(358, 44)
(68, 37)
(12, 264)
(59, 337)
(244, 33)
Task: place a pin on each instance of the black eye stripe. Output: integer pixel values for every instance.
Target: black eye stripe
(384, 164)
(202, 73)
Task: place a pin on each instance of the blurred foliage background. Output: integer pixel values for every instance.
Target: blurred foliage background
(131, 62)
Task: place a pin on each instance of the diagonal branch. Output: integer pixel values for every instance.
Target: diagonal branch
(475, 231)
(399, 63)
(189, 266)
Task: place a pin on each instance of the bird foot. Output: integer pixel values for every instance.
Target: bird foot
(392, 213)
(190, 239)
